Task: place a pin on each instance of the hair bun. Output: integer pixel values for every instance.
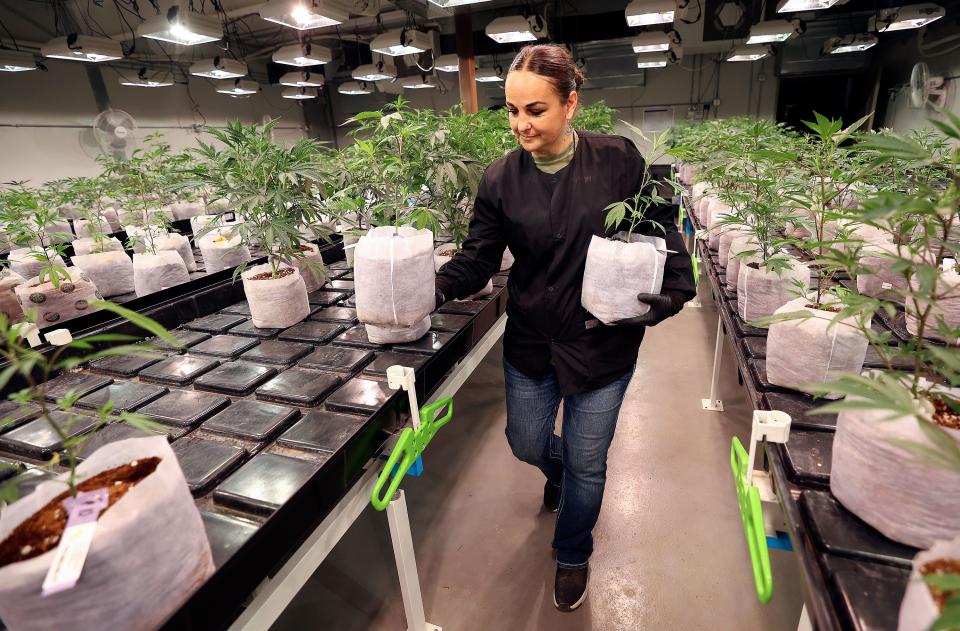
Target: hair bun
(577, 76)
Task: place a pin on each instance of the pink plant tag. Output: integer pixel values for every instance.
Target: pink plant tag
(71, 553)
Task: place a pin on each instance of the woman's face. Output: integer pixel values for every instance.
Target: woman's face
(538, 116)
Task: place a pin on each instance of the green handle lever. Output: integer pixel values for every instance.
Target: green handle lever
(751, 512)
(411, 444)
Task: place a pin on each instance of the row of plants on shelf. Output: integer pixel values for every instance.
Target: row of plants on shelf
(822, 235)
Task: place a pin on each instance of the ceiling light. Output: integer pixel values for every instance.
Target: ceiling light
(516, 28)
(773, 31)
(850, 44)
(303, 14)
(299, 94)
(238, 87)
(181, 26)
(82, 48)
(355, 87)
(402, 42)
(375, 72)
(302, 79)
(447, 63)
(148, 80)
(903, 18)
(749, 53)
(444, 4)
(219, 68)
(646, 12)
(790, 6)
(417, 82)
(651, 42)
(303, 55)
(16, 61)
(652, 60)
(489, 75)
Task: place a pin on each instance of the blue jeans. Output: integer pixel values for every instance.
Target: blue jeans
(576, 461)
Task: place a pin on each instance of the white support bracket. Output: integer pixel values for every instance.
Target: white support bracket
(29, 331)
(712, 403)
(403, 377)
(403, 552)
(772, 426)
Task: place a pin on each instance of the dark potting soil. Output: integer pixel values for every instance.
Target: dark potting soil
(936, 567)
(269, 275)
(823, 308)
(41, 532)
(753, 265)
(944, 416)
(448, 252)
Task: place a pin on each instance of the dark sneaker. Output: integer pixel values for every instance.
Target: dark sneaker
(570, 587)
(551, 497)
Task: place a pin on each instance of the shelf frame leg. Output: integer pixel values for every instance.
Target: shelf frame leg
(713, 404)
(402, 540)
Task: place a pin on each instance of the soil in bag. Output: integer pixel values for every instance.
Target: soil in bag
(944, 415)
(935, 568)
(286, 271)
(41, 532)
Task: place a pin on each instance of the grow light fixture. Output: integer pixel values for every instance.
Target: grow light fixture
(302, 79)
(445, 4)
(791, 6)
(219, 68)
(238, 87)
(179, 25)
(82, 48)
(447, 63)
(773, 31)
(749, 53)
(652, 60)
(647, 12)
(489, 75)
(299, 94)
(303, 14)
(354, 87)
(850, 44)
(16, 61)
(903, 18)
(303, 55)
(653, 42)
(403, 42)
(148, 80)
(417, 82)
(374, 72)
(516, 28)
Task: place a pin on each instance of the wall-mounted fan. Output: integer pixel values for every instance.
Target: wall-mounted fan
(115, 133)
(926, 89)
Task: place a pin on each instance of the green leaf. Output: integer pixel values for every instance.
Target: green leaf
(947, 582)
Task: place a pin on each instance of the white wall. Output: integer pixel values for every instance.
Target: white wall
(45, 117)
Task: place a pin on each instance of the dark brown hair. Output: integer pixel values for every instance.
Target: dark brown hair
(552, 62)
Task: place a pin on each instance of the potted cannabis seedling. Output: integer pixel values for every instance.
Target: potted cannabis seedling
(149, 550)
(271, 188)
(909, 421)
(932, 599)
(52, 292)
(93, 220)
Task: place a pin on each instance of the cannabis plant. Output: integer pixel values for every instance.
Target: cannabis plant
(632, 212)
(27, 219)
(32, 369)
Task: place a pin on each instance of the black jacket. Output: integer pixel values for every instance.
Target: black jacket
(548, 220)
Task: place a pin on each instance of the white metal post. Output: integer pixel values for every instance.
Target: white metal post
(407, 564)
(805, 624)
(713, 403)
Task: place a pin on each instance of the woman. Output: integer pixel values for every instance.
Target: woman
(545, 201)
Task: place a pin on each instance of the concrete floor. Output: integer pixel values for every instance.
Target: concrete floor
(670, 552)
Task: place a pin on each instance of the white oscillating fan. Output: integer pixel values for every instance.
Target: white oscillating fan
(115, 133)
(924, 88)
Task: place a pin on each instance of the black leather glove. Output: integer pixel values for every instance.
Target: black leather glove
(662, 306)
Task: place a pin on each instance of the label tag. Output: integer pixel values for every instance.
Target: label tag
(886, 286)
(71, 552)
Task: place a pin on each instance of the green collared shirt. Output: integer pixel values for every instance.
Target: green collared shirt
(552, 164)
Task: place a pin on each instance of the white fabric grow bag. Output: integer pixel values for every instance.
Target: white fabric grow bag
(760, 293)
(312, 281)
(738, 245)
(222, 254)
(918, 610)
(394, 281)
(140, 235)
(725, 240)
(154, 272)
(186, 210)
(944, 311)
(507, 261)
(54, 305)
(276, 303)
(616, 272)
(809, 351)
(149, 552)
(87, 245)
(882, 484)
(111, 272)
(24, 263)
(439, 260)
(882, 282)
(181, 245)
(9, 304)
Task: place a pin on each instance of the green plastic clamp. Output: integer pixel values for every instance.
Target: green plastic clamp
(680, 218)
(751, 512)
(411, 444)
(696, 269)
